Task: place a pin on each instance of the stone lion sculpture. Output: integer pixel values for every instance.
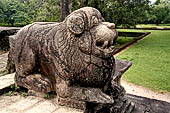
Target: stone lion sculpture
(73, 58)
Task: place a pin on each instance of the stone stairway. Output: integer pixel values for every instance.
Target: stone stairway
(29, 104)
(32, 104)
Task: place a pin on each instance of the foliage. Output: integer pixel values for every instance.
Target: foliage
(129, 12)
(1, 11)
(160, 12)
(11, 91)
(151, 60)
(121, 12)
(13, 11)
(28, 11)
(46, 10)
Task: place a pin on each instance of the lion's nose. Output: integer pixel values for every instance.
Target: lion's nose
(106, 36)
(109, 25)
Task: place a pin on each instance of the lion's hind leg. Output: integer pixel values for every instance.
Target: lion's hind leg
(27, 74)
(35, 82)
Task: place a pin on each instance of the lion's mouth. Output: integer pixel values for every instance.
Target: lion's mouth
(104, 49)
(109, 50)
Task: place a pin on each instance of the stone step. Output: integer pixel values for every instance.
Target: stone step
(3, 61)
(31, 104)
(6, 81)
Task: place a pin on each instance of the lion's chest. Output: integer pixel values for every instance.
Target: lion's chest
(96, 74)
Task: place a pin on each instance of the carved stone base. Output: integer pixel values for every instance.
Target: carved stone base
(127, 104)
(147, 105)
(122, 105)
(131, 104)
(71, 103)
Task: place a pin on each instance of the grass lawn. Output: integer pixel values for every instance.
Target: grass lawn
(151, 60)
(122, 40)
(153, 25)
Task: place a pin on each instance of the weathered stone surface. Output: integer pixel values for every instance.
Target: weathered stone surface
(117, 92)
(18, 104)
(10, 68)
(6, 81)
(5, 32)
(9, 30)
(73, 58)
(146, 105)
(30, 104)
(3, 61)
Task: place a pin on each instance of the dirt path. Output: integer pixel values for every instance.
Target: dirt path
(145, 92)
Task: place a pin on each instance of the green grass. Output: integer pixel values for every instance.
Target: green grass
(122, 40)
(151, 61)
(153, 25)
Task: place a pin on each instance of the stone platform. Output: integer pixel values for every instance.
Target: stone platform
(3, 61)
(31, 104)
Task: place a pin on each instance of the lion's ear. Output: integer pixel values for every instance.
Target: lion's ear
(75, 24)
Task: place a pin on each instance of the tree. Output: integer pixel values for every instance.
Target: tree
(1, 12)
(121, 12)
(28, 11)
(66, 8)
(12, 11)
(160, 12)
(49, 10)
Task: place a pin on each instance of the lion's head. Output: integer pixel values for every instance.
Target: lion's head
(86, 45)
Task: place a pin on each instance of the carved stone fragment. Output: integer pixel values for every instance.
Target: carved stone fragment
(73, 58)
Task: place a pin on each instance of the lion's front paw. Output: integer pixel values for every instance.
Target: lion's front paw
(97, 96)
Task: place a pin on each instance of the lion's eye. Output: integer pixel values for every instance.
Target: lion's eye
(94, 20)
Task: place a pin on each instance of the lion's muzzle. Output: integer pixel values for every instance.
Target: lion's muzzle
(106, 36)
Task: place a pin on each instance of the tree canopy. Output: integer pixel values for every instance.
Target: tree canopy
(160, 12)
(122, 12)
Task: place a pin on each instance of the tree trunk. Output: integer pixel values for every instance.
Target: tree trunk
(86, 2)
(66, 8)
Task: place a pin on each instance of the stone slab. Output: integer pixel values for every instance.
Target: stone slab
(67, 110)
(8, 28)
(43, 107)
(6, 81)
(3, 61)
(31, 104)
(147, 105)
